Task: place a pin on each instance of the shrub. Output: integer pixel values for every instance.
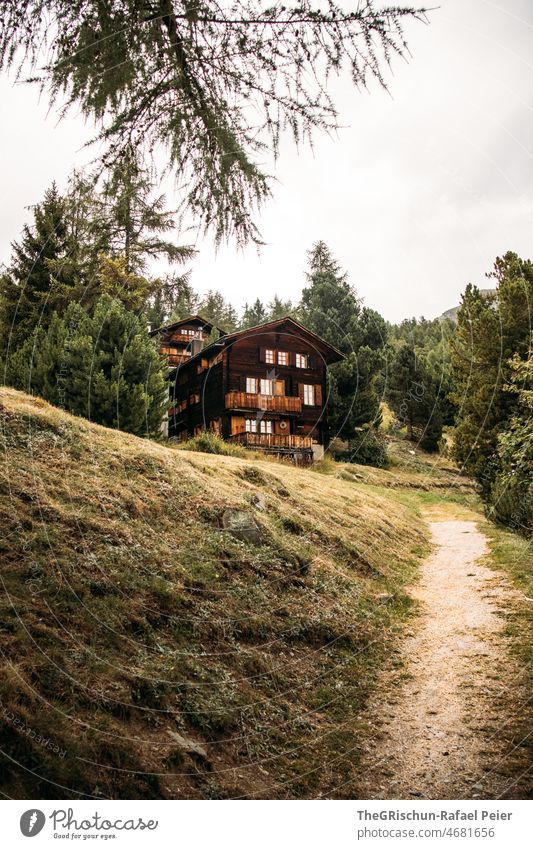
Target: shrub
(368, 449)
(210, 443)
(511, 496)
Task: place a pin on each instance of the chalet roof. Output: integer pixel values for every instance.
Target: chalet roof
(190, 319)
(330, 353)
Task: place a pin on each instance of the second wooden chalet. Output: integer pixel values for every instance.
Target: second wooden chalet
(264, 387)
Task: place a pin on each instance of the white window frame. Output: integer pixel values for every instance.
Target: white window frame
(283, 358)
(250, 425)
(266, 386)
(251, 381)
(270, 356)
(302, 361)
(309, 395)
(265, 426)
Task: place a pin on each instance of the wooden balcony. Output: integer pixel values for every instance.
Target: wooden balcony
(185, 339)
(273, 441)
(267, 403)
(177, 359)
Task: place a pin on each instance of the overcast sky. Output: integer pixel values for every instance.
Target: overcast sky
(416, 196)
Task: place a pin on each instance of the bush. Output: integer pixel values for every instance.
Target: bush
(210, 443)
(511, 496)
(368, 449)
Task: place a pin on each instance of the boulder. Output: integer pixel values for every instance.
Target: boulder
(242, 525)
(188, 745)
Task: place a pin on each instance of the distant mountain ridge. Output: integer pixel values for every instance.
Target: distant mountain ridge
(452, 313)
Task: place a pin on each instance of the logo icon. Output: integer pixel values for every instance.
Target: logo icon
(32, 822)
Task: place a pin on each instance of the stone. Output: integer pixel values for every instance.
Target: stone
(188, 745)
(242, 525)
(259, 501)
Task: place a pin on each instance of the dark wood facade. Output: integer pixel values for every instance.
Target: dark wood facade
(265, 387)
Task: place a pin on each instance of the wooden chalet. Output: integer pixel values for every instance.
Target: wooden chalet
(264, 387)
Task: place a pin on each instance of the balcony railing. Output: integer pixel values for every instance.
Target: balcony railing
(184, 338)
(272, 440)
(177, 359)
(268, 403)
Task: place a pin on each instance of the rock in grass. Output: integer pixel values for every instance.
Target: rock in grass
(242, 525)
(188, 745)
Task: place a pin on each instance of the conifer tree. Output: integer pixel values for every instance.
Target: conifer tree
(278, 308)
(134, 219)
(219, 311)
(410, 393)
(102, 366)
(330, 307)
(38, 281)
(511, 495)
(254, 314)
(491, 329)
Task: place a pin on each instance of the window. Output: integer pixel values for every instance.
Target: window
(302, 360)
(251, 385)
(270, 356)
(267, 387)
(250, 425)
(283, 358)
(309, 394)
(266, 426)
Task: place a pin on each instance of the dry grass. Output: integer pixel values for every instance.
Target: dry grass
(128, 612)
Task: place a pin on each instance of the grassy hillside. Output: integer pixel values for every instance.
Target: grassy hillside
(148, 651)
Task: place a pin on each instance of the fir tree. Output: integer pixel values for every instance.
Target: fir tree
(254, 314)
(214, 307)
(491, 329)
(102, 366)
(330, 307)
(511, 495)
(411, 395)
(278, 308)
(39, 280)
(134, 218)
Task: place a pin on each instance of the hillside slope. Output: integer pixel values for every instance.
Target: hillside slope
(148, 651)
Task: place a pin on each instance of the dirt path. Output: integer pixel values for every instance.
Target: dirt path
(438, 735)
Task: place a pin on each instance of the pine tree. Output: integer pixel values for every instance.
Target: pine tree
(278, 308)
(431, 342)
(180, 299)
(38, 281)
(134, 219)
(411, 395)
(254, 314)
(214, 307)
(491, 329)
(330, 307)
(511, 495)
(102, 366)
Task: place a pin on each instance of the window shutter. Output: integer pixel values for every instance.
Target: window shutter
(300, 390)
(262, 355)
(243, 383)
(279, 387)
(312, 362)
(318, 395)
(292, 359)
